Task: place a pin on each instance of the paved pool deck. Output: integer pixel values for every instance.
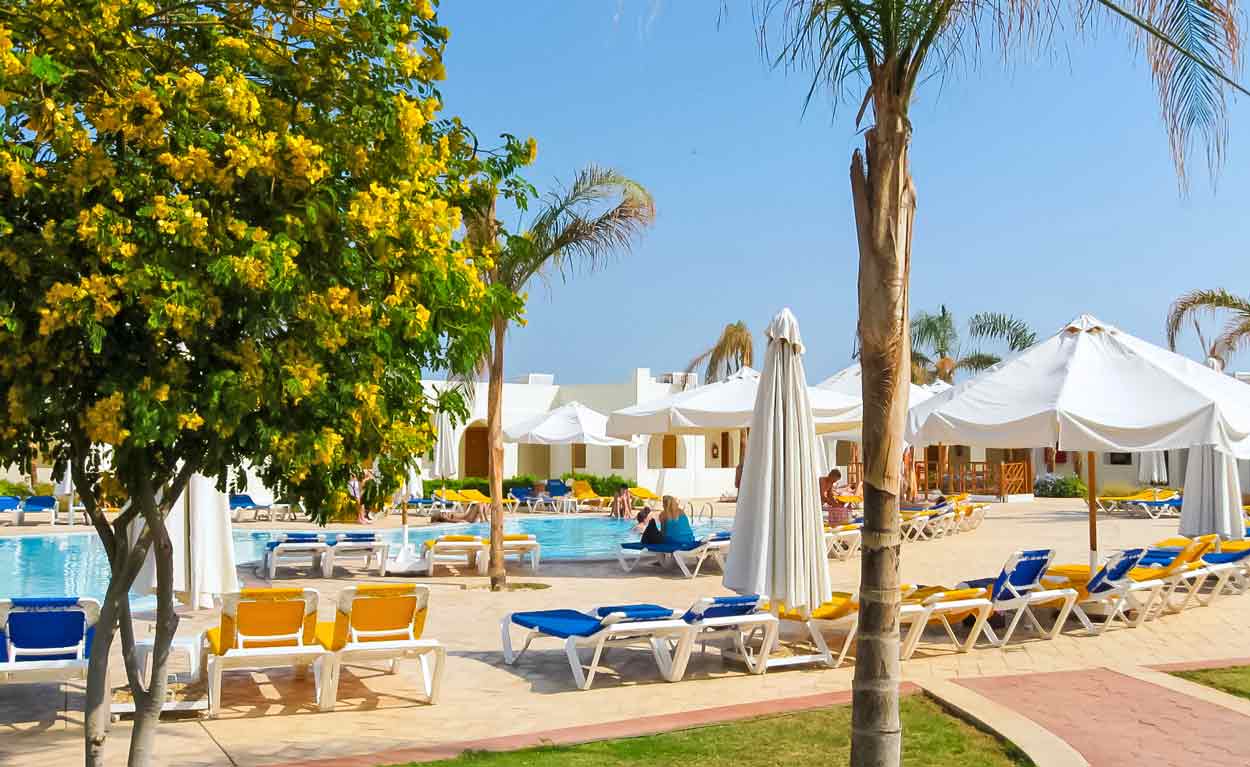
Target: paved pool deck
(270, 718)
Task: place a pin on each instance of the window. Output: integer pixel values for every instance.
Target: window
(579, 455)
(1119, 459)
(618, 456)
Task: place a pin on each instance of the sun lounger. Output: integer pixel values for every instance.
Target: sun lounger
(267, 628)
(14, 504)
(689, 557)
(525, 496)
(360, 545)
(450, 499)
(1018, 589)
(1110, 592)
(382, 622)
(1178, 562)
(944, 606)
(522, 545)
(36, 503)
(241, 502)
(842, 542)
(913, 526)
(644, 495)
(45, 639)
(473, 550)
(298, 548)
(483, 500)
(734, 621)
(586, 495)
(841, 614)
(600, 628)
(1112, 503)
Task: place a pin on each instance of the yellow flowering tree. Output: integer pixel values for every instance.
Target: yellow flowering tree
(228, 232)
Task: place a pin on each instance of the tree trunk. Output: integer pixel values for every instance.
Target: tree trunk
(97, 716)
(494, 432)
(148, 704)
(884, 200)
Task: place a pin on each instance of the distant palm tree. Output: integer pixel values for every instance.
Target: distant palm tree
(935, 346)
(602, 213)
(734, 350)
(1236, 330)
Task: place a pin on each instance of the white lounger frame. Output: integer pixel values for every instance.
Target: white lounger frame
(690, 561)
(41, 671)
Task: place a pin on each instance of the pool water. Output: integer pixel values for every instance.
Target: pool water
(75, 564)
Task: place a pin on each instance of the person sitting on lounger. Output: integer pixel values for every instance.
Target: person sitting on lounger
(838, 512)
(669, 525)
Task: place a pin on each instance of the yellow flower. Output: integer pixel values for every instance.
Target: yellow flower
(103, 420)
(191, 421)
(119, 195)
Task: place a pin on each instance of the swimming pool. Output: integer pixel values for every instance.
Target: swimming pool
(74, 564)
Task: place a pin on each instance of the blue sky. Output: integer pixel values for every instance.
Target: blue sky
(1045, 185)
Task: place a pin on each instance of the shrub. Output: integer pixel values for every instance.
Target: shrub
(481, 484)
(14, 488)
(1056, 486)
(606, 486)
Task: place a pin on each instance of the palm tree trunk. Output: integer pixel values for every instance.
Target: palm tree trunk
(494, 434)
(884, 200)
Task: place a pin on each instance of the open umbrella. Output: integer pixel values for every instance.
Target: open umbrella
(1090, 387)
(569, 424)
(778, 545)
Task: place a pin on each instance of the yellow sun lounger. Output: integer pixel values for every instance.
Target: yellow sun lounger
(586, 495)
(644, 495)
(477, 496)
(382, 622)
(1184, 573)
(266, 628)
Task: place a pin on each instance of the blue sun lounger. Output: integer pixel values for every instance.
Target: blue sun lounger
(36, 503)
(688, 556)
(243, 502)
(1017, 589)
(45, 639)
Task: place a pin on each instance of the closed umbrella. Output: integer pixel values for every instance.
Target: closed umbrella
(1152, 468)
(1212, 500)
(203, 547)
(407, 559)
(778, 545)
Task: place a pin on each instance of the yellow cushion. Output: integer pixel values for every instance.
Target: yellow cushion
(262, 612)
(516, 537)
(453, 539)
(839, 605)
(377, 607)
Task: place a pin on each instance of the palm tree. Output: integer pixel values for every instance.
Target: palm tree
(576, 228)
(873, 53)
(1236, 329)
(733, 351)
(936, 352)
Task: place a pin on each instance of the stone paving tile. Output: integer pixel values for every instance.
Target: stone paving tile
(1113, 719)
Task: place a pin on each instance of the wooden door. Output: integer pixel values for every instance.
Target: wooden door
(476, 453)
(668, 454)
(726, 454)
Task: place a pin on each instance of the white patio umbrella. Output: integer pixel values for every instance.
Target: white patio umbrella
(199, 527)
(778, 546)
(850, 381)
(407, 558)
(726, 404)
(569, 424)
(1212, 500)
(1152, 468)
(1091, 387)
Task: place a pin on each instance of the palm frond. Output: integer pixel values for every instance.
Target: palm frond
(996, 326)
(934, 332)
(1198, 302)
(977, 361)
(1191, 46)
(574, 230)
(733, 350)
(1235, 336)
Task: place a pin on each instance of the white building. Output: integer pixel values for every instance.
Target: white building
(685, 466)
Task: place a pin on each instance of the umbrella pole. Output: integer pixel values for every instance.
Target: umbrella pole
(1093, 512)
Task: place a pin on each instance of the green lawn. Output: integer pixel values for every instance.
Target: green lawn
(931, 738)
(1234, 680)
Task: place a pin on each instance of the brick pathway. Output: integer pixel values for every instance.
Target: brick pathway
(1113, 719)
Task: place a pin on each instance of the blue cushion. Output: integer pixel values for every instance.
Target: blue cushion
(725, 607)
(634, 545)
(1225, 557)
(40, 503)
(723, 535)
(9, 502)
(637, 612)
(1028, 570)
(1104, 578)
(559, 623)
(36, 630)
(360, 537)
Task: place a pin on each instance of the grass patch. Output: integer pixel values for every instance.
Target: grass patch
(1234, 680)
(931, 738)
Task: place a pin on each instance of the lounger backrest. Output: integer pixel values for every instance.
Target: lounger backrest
(582, 488)
(1022, 573)
(241, 501)
(1115, 569)
(380, 612)
(722, 607)
(39, 503)
(639, 612)
(9, 502)
(271, 617)
(556, 487)
(46, 628)
(521, 493)
(358, 538)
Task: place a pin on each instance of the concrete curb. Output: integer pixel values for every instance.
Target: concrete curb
(1041, 745)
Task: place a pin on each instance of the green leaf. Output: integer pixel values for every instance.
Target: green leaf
(47, 70)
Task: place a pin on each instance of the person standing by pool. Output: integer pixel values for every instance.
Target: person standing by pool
(621, 503)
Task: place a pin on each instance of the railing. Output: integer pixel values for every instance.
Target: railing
(1014, 479)
(999, 479)
(706, 511)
